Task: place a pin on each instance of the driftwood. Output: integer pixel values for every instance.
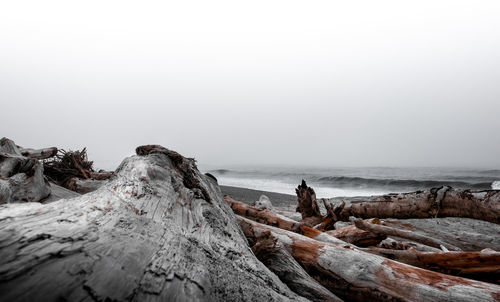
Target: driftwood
(377, 228)
(157, 231)
(265, 216)
(21, 178)
(272, 253)
(437, 202)
(39, 153)
(307, 205)
(68, 164)
(73, 170)
(484, 265)
(357, 236)
(83, 186)
(355, 275)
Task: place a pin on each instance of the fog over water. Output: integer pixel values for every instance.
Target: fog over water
(261, 83)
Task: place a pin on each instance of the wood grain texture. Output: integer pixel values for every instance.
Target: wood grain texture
(157, 231)
(437, 202)
(355, 275)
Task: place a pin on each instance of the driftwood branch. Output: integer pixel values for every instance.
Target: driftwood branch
(389, 231)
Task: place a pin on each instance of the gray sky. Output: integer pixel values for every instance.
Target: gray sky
(324, 83)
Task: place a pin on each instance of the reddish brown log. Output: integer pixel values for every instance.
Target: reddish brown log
(355, 275)
(273, 255)
(482, 265)
(357, 236)
(265, 216)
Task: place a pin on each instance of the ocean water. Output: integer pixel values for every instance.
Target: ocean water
(335, 182)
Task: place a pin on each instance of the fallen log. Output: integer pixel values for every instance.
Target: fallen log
(437, 202)
(390, 231)
(355, 275)
(482, 265)
(265, 216)
(159, 230)
(357, 236)
(272, 253)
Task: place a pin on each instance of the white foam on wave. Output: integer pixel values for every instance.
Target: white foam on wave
(496, 185)
(273, 185)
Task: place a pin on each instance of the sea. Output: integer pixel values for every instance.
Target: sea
(336, 182)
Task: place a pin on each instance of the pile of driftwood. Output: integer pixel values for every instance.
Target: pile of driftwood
(26, 174)
(373, 257)
(73, 170)
(159, 230)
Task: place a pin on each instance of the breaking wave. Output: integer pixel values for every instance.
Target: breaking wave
(343, 181)
(496, 185)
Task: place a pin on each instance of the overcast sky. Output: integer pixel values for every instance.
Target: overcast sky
(323, 83)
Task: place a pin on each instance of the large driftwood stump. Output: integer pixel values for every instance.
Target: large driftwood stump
(158, 231)
(307, 205)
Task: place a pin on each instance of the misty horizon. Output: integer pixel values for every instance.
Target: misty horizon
(283, 83)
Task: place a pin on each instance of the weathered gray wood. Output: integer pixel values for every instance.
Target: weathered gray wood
(391, 231)
(21, 178)
(84, 186)
(158, 231)
(39, 153)
(465, 233)
(437, 202)
(57, 192)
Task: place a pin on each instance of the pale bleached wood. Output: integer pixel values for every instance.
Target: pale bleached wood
(377, 228)
(158, 231)
(21, 178)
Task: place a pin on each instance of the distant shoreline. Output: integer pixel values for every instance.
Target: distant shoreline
(250, 196)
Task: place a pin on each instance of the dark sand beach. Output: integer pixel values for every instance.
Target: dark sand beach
(250, 196)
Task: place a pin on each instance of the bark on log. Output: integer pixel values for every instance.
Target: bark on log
(21, 178)
(357, 236)
(272, 253)
(159, 230)
(307, 205)
(482, 265)
(355, 275)
(389, 231)
(437, 202)
(265, 216)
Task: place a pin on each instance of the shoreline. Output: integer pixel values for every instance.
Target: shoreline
(249, 196)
